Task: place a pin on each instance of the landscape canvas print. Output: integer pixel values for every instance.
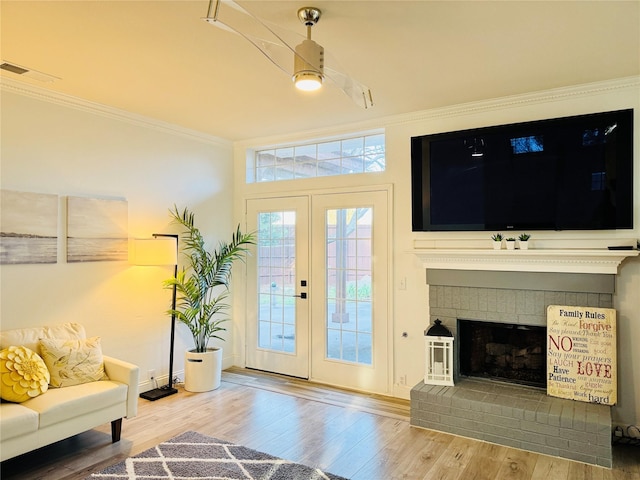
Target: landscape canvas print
(28, 227)
(96, 230)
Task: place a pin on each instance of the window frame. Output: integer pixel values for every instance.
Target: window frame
(337, 156)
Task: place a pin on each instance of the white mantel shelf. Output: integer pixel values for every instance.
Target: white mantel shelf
(543, 260)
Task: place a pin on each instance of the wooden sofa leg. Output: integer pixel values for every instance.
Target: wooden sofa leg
(116, 429)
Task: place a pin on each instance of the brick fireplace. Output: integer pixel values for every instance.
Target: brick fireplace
(513, 290)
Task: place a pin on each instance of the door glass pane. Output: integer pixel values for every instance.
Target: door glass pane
(276, 281)
(348, 285)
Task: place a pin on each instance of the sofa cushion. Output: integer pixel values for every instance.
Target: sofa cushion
(62, 404)
(73, 361)
(30, 337)
(23, 374)
(17, 420)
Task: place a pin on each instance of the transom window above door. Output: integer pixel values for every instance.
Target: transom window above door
(361, 154)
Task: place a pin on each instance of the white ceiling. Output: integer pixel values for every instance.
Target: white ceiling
(160, 60)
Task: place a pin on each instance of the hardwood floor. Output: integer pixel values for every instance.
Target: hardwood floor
(359, 436)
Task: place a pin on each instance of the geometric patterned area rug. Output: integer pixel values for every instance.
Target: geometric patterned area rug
(192, 455)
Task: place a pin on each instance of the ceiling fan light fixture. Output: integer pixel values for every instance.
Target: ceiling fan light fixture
(308, 62)
(308, 66)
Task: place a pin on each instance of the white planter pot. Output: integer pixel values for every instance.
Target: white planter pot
(497, 244)
(202, 371)
(524, 245)
(511, 245)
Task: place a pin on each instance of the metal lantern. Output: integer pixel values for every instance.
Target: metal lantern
(439, 346)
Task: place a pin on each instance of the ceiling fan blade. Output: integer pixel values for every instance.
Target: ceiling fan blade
(278, 45)
(356, 91)
(230, 16)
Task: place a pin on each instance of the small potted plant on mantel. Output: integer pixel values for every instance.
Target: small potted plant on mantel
(202, 288)
(523, 241)
(511, 243)
(497, 241)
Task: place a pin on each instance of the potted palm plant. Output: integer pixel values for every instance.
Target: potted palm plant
(202, 287)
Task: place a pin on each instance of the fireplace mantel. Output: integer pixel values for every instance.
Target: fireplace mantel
(537, 260)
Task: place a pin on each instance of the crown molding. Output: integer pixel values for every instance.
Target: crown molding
(544, 96)
(57, 98)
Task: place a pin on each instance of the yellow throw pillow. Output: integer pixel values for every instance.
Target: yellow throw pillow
(23, 374)
(72, 362)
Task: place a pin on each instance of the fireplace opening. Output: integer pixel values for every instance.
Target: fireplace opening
(502, 351)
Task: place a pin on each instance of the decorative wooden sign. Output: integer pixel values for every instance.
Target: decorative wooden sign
(581, 354)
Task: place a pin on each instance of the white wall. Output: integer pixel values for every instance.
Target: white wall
(59, 145)
(410, 311)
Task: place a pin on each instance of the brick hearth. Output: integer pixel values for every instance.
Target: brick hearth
(516, 416)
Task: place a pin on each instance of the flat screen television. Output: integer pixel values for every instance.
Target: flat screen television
(572, 173)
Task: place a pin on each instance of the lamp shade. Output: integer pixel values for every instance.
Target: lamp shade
(155, 251)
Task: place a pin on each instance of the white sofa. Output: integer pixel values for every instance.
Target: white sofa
(63, 412)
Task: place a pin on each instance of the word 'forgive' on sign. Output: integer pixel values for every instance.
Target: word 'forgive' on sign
(581, 354)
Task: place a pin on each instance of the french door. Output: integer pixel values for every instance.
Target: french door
(277, 293)
(317, 298)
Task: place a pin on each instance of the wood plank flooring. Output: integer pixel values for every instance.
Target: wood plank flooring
(359, 436)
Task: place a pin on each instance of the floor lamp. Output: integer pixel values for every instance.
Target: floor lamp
(162, 249)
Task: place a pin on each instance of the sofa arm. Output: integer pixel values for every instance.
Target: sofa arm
(124, 372)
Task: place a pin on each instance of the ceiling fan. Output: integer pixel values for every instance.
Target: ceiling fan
(310, 65)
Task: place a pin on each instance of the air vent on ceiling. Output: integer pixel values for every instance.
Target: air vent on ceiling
(27, 72)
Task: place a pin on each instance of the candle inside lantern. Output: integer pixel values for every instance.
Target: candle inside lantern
(438, 368)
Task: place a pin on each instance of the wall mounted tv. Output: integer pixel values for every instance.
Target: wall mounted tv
(573, 173)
